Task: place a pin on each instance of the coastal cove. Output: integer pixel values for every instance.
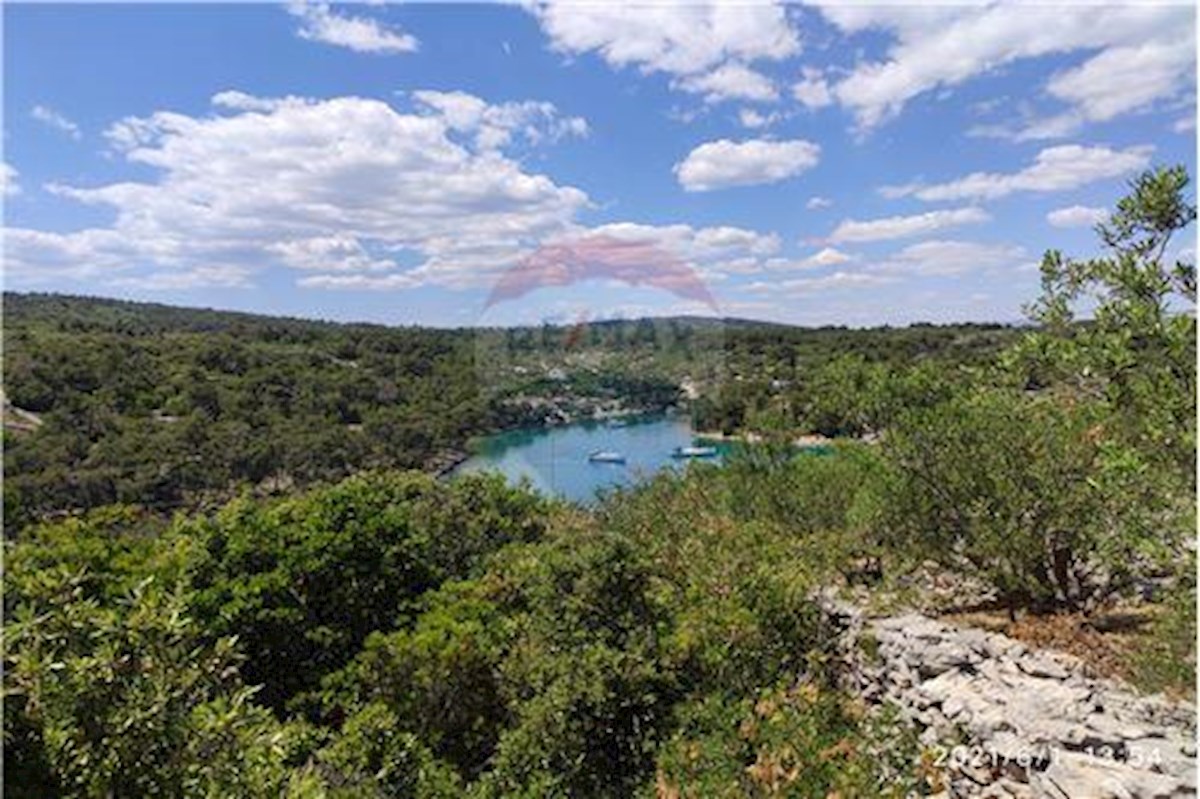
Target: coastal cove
(555, 459)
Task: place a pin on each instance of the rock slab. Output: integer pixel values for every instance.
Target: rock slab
(1005, 721)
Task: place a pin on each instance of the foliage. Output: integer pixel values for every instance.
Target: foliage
(1071, 470)
(302, 582)
(796, 740)
(106, 552)
(124, 700)
(1036, 497)
(1138, 352)
(372, 757)
(1167, 659)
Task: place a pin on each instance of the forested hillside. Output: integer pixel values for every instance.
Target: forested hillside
(170, 407)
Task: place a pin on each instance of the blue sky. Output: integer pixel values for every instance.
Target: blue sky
(837, 164)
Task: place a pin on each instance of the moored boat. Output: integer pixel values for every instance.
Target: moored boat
(694, 452)
(605, 456)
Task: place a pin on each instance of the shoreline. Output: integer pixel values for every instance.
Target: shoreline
(804, 441)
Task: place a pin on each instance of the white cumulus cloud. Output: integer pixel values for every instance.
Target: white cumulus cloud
(1068, 166)
(1076, 216)
(713, 251)
(320, 23)
(340, 186)
(836, 281)
(707, 47)
(812, 91)
(724, 163)
(494, 125)
(754, 119)
(945, 258)
(1138, 52)
(828, 256)
(732, 81)
(895, 227)
(675, 38)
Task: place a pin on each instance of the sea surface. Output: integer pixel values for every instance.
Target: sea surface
(555, 460)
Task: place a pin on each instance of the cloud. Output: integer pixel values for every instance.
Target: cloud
(1076, 216)
(8, 181)
(1059, 168)
(713, 251)
(1120, 80)
(678, 258)
(818, 203)
(944, 258)
(51, 118)
(677, 39)
(895, 227)
(233, 100)
(836, 281)
(638, 261)
(731, 81)
(219, 276)
(392, 282)
(943, 46)
(336, 252)
(707, 48)
(494, 125)
(723, 163)
(319, 23)
(339, 186)
(352, 194)
(812, 91)
(829, 256)
(753, 119)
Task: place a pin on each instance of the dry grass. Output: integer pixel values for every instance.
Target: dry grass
(1107, 643)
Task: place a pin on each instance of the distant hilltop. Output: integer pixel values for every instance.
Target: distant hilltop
(106, 313)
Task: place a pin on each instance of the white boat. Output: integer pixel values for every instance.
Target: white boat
(694, 452)
(605, 456)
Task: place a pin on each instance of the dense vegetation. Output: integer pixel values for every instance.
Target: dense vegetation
(396, 635)
(418, 638)
(168, 408)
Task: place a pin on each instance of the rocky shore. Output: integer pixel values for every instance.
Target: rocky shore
(998, 720)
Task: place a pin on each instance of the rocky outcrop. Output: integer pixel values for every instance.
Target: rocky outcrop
(1004, 721)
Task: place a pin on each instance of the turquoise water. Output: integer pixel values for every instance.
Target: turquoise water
(555, 460)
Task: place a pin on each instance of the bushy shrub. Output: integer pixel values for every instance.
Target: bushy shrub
(1032, 494)
(302, 582)
(126, 700)
(792, 740)
(374, 758)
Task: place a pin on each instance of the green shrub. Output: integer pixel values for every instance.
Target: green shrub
(788, 741)
(1031, 494)
(374, 758)
(126, 700)
(303, 582)
(1166, 659)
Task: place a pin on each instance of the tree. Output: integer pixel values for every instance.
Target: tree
(1063, 490)
(1138, 350)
